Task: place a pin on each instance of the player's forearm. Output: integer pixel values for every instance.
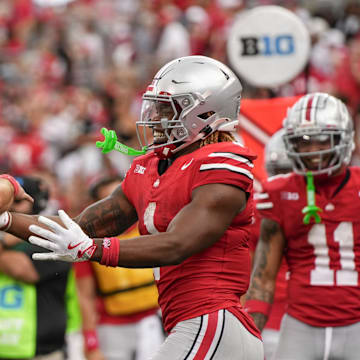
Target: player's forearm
(147, 251)
(86, 287)
(267, 261)
(105, 218)
(21, 222)
(166, 248)
(261, 289)
(20, 225)
(89, 320)
(89, 314)
(261, 293)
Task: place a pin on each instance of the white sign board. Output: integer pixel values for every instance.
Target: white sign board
(268, 46)
(49, 3)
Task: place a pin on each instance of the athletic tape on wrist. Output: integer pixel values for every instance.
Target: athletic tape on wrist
(258, 306)
(91, 340)
(110, 251)
(14, 183)
(5, 221)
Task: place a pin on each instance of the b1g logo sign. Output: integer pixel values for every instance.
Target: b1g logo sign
(268, 46)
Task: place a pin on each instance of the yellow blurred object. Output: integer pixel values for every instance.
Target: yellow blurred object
(126, 291)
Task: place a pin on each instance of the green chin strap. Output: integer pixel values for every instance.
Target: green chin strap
(311, 210)
(110, 143)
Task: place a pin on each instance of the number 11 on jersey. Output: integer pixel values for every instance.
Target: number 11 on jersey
(322, 275)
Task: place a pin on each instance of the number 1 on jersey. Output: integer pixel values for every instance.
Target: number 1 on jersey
(150, 227)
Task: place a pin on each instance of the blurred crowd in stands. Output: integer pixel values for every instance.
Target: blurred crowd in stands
(69, 69)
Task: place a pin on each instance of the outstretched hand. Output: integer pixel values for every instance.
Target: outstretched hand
(67, 243)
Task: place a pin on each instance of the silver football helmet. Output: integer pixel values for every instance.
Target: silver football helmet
(325, 119)
(276, 159)
(188, 99)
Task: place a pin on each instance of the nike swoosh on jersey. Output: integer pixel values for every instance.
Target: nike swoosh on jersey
(187, 164)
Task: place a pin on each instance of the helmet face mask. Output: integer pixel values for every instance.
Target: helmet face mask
(318, 134)
(317, 152)
(162, 114)
(189, 99)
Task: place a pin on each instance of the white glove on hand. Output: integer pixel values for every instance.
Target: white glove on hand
(67, 243)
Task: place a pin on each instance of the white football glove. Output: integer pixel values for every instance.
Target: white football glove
(67, 243)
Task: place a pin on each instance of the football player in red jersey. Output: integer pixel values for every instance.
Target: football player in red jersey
(276, 162)
(192, 196)
(323, 254)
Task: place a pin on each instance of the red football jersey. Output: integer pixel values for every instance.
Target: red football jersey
(215, 278)
(323, 259)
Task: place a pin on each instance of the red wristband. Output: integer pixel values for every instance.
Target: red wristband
(258, 306)
(110, 252)
(14, 183)
(91, 340)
